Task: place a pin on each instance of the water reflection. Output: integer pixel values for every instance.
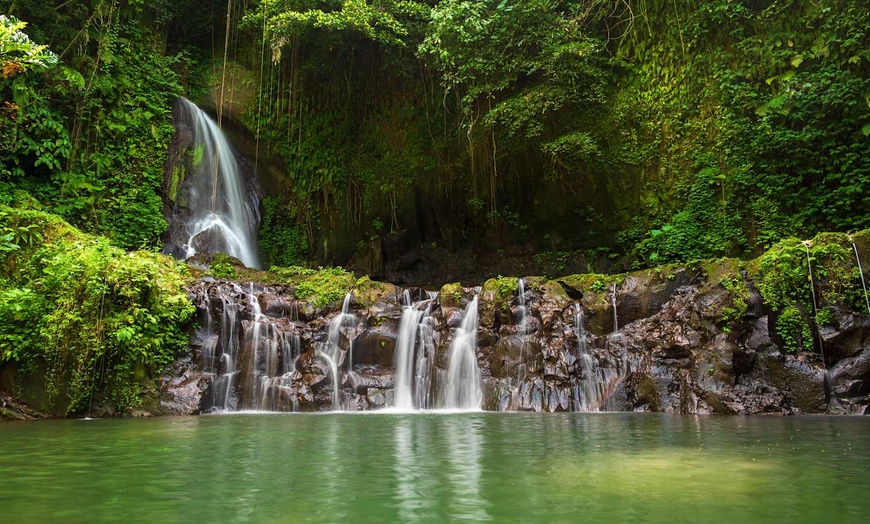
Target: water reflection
(415, 483)
(331, 469)
(464, 446)
(525, 468)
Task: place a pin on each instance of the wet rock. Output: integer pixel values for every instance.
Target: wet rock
(376, 346)
(672, 353)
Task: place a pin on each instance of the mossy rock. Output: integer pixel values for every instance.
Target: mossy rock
(368, 292)
(596, 288)
(322, 287)
(451, 294)
(554, 291)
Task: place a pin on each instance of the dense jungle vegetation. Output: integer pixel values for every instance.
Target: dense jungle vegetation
(652, 130)
(624, 133)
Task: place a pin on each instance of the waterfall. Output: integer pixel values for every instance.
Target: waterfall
(249, 359)
(522, 310)
(861, 272)
(827, 382)
(464, 389)
(415, 343)
(343, 323)
(404, 357)
(596, 383)
(220, 350)
(580, 330)
(815, 301)
(221, 219)
(426, 349)
(615, 318)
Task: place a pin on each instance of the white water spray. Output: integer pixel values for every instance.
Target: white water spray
(221, 220)
(344, 322)
(414, 355)
(464, 390)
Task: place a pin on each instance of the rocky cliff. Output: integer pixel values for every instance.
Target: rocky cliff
(705, 338)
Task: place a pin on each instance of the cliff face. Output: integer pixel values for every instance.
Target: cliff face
(679, 348)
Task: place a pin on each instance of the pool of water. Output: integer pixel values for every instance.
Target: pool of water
(601, 467)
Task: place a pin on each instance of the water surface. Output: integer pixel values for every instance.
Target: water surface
(437, 468)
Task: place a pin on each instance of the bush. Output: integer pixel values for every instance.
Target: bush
(91, 316)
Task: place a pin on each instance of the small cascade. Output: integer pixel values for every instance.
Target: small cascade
(404, 357)
(220, 348)
(266, 349)
(599, 380)
(222, 219)
(813, 294)
(522, 329)
(248, 358)
(424, 375)
(861, 272)
(415, 354)
(597, 383)
(463, 389)
(342, 324)
(827, 382)
(615, 316)
(522, 309)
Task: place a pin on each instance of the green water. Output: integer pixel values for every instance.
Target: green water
(437, 468)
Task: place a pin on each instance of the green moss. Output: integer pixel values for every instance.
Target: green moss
(555, 291)
(86, 316)
(783, 278)
(596, 286)
(450, 295)
(501, 287)
(736, 303)
(222, 267)
(497, 294)
(794, 329)
(321, 287)
(367, 291)
(175, 179)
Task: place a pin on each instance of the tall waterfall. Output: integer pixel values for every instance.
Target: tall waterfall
(464, 390)
(222, 220)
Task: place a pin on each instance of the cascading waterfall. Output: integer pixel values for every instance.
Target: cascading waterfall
(426, 349)
(522, 310)
(404, 357)
(463, 389)
(414, 345)
(861, 272)
(588, 396)
(220, 349)
(615, 316)
(343, 323)
(249, 359)
(599, 381)
(596, 383)
(266, 345)
(522, 328)
(221, 220)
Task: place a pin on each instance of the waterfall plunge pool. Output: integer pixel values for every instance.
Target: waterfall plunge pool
(435, 467)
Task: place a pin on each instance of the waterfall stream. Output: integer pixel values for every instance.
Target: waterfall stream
(414, 356)
(464, 390)
(221, 220)
(861, 272)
